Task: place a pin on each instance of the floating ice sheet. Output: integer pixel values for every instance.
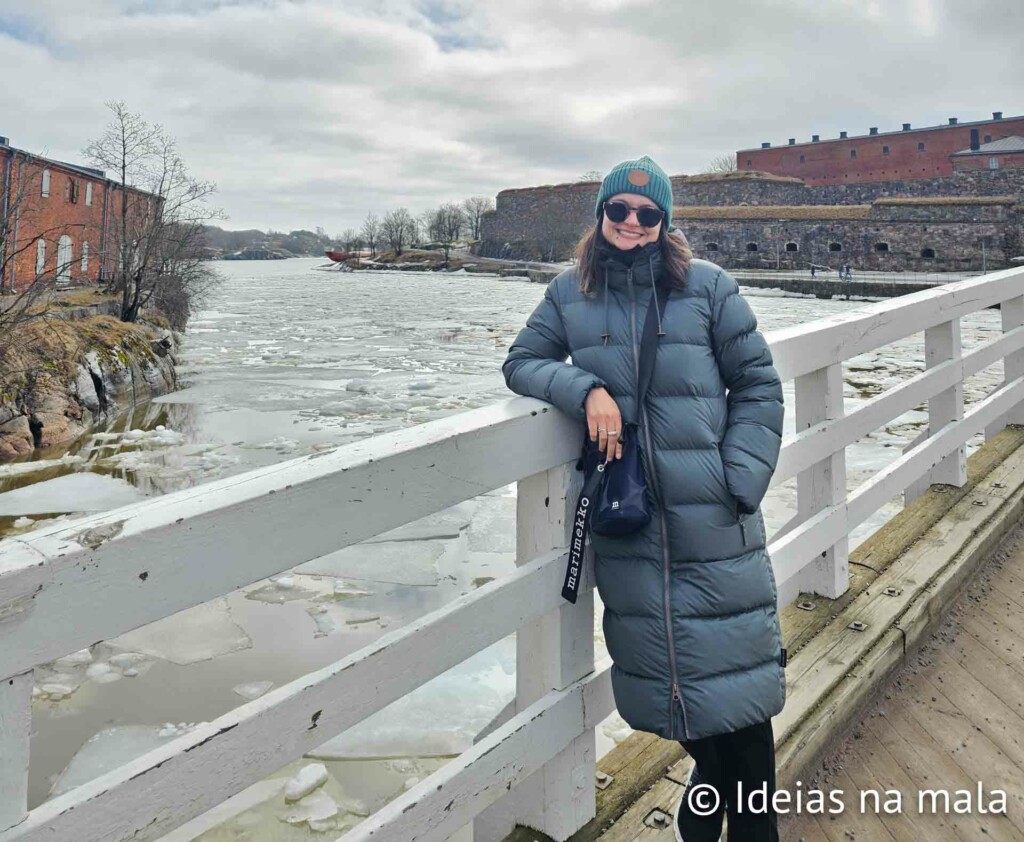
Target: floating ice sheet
(196, 634)
(439, 719)
(393, 562)
(79, 492)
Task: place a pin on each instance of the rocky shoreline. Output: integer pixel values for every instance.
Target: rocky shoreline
(115, 367)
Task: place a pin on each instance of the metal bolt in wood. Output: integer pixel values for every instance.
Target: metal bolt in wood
(658, 819)
(604, 780)
(857, 625)
(805, 606)
(893, 591)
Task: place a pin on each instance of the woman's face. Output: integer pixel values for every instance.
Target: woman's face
(629, 234)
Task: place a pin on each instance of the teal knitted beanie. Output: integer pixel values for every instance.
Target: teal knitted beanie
(643, 177)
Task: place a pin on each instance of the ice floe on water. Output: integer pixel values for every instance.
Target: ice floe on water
(113, 747)
(252, 689)
(78, 492)
(196, 634)
(439, 719)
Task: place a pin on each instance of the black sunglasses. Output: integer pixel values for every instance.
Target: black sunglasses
(619, 211)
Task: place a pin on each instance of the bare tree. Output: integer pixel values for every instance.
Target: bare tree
(396, 228)
(158, 224)
(371, 232)
(721, 164)
(445, 227)
(474, 210)
(348, 238)
(591, 175)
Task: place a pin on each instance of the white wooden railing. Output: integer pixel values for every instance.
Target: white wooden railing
(68, 586)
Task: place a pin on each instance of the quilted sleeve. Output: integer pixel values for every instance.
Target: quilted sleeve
(753, 433)
(536, 366)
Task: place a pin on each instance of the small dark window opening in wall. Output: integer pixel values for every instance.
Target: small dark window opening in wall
(711, 246)
(920, 147)
(881, 247)
(751, 246)
(928, 253)
(792, 247)
(853, 153)
(748, 163)
(885, 150)
(835, 246)
(988, 138)
(801, 159)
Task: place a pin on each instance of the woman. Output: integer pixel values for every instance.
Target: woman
(711, 429)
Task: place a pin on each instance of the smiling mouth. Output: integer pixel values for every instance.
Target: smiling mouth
(629, 235)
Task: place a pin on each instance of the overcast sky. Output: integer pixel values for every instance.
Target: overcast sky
(313, 113)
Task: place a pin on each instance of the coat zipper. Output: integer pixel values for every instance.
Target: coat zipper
(677, 696)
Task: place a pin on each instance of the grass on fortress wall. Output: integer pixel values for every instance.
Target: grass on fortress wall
(952, 200)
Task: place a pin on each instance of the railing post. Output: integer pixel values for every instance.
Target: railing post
(550, 654)
(819, 397)
(1012, 315)
(942, 343)
(15, 729)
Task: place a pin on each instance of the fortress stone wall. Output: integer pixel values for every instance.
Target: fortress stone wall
(952, 223)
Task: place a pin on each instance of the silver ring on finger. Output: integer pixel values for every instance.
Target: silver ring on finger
(613, 432)
(601, 429)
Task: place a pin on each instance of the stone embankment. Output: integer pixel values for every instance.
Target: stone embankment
(63, 374)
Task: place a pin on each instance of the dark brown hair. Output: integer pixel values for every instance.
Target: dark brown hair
(675, 252)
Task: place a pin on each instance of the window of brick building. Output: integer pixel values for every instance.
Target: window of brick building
(711, 246)
(920, 147)
(65, 257)
(928, 253)
(988, 138)
(853, 153)
(993, 163)
(40, 257)
(885, 150)
(881, 248)
(71, 191)
(46, 183)
(792, 247)
(748, 163)
(801, 159)
(88, 194)
(835, 246)
(751, 246)
(85, 256)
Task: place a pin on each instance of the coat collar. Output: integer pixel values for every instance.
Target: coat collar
(646, 263)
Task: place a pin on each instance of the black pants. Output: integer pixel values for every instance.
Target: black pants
(744, 758)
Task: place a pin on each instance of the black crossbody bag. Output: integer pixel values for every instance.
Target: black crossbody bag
(614, 500)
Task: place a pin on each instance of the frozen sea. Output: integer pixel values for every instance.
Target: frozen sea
(286, 361)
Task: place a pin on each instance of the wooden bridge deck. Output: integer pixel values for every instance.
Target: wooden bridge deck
(952, 718)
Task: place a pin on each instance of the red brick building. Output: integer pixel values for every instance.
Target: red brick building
(910, 153)
(56, 220)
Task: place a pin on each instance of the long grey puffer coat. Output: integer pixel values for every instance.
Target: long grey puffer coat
(713, 424)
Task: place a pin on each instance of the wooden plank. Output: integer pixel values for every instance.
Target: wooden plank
(1011, 314)
(851, 823)
(971, 750)
(990, 670)
(929, 766)
(800, 349)
(801, 450)
(942, 343)
(819, 397)
(791, 553)
(985, 711)
(996, 638)
(631, 827)
(448, 799)
(874, 768)
(106, 574)
(191, 774)
(15, 731)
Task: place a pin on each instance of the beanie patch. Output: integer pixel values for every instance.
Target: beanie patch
(638, 178)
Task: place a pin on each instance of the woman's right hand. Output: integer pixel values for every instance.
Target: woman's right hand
(604, 421)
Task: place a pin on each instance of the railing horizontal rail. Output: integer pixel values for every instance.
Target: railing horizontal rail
(802, 450)
(68, 586)
(183, 778)
(790, 552)
(440, 805)
(804, 348)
